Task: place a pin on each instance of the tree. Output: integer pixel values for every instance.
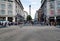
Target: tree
(29, 18)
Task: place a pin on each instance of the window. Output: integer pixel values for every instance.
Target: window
(51, 5)
(52, 0)
(58, 4)
(2, 11)
(16, 11)
(2, 0)
(10, 12)
(10, 0)
(51, 12)
(16, 6)
(10, 6)
(3, 6)
(58, 11)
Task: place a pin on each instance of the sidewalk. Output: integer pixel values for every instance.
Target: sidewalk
(15, 26)
(8, 29)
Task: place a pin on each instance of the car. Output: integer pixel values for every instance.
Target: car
(3, 23)
(42, 23)
(15, 23)
(58, 25)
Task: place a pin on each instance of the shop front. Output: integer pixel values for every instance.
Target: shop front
(51, 21)
(2, 18)
(58, 19)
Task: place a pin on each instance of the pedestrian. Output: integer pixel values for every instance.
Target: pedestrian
(0, 23)
(32, 22)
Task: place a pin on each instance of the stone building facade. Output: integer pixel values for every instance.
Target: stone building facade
(51, 10)
(10, 9)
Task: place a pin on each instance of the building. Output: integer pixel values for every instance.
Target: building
(11, 10)
(29, 9)
(51, 10)
(25, 15)
(36, 17)
(40, 15)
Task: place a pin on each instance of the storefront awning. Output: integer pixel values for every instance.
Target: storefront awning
(51, 18)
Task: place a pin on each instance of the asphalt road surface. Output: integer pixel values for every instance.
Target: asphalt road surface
(30, 33)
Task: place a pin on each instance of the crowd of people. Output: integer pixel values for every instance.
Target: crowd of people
(4, 24)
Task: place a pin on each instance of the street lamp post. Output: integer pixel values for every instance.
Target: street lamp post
(55, 20)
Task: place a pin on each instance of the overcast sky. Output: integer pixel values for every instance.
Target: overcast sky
(35, 5)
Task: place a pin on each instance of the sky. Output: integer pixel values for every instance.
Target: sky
(35, 5)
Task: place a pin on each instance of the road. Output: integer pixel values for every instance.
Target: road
(30, 33)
